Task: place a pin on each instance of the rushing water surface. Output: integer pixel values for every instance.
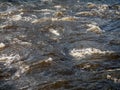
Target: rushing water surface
(59, 45)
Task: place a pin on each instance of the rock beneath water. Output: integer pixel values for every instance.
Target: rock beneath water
(91, 5)
(16, 17)
(2, 45)
(94, 28)
(115, 42)
(68, 19)
(90, 53)
(59, 14)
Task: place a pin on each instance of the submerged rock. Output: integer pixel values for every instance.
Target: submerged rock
(94, 28)
(2, 45)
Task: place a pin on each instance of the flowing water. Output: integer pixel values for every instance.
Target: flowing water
(60, 45)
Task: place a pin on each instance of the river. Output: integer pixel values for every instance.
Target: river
(60, 45)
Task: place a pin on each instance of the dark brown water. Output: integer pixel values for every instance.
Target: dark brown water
(60, 45)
